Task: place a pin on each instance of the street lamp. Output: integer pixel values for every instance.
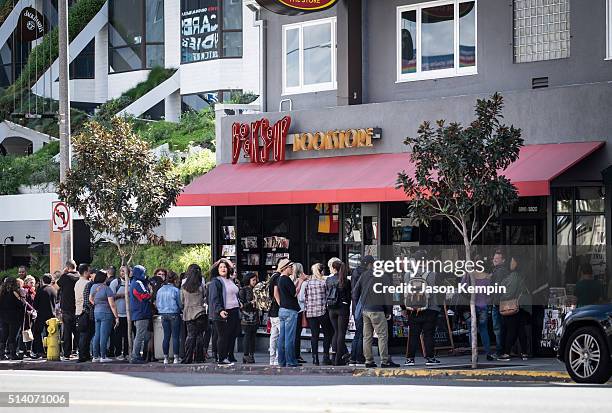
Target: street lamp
(12, 239)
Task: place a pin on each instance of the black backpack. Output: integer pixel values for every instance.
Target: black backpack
(333, 296)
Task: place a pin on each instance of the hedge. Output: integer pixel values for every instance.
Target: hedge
(172, 256)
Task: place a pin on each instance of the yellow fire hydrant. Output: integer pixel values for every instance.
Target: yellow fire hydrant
(52, 341)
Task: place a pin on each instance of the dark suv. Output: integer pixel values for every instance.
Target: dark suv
(585, 342)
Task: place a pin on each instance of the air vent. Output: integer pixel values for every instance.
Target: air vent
(539, 82)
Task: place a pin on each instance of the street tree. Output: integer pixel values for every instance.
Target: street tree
(458, 176)
(119, 188)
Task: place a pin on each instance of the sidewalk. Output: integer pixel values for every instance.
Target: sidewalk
(452, 367)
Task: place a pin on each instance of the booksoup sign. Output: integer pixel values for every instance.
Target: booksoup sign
(293, 7)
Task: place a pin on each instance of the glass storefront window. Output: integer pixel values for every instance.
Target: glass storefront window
(352, 223)
(563, 200)
(323, 223)
(590, 200)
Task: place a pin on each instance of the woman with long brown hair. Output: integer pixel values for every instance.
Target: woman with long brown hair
(338, 293)
(194, 314)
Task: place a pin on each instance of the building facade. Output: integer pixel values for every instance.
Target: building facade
(368, 73)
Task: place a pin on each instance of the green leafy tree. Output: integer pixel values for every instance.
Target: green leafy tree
(459, 176)
(118, 186)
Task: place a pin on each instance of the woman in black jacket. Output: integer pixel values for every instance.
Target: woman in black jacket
(224, 309)
(249, 316)
(12, 311)
(338, 293)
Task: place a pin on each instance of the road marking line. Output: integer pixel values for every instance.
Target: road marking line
(250, 407)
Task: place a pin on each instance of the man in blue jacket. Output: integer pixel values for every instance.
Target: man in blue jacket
(140, 310)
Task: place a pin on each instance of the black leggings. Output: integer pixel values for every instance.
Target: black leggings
(250, 336)
(227, 331)
(8, 335)
(339, 318)
(120, 342)
(515, 327)
(317, 324)
(421, 322)
(194, 344)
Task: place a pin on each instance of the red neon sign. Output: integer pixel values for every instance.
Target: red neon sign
(259, 140)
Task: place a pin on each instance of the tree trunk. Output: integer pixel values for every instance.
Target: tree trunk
(474, 321)
(127, 306)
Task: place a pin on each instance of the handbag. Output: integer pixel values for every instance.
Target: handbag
(26, 334)
(509, 307)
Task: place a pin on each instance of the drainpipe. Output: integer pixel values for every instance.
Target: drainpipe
(262, 27)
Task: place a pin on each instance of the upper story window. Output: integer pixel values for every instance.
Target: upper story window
(135, 35)
(436, 39)
(210, 29)
(541, 30)
(309, 56)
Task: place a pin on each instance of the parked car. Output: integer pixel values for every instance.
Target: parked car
(585, 343)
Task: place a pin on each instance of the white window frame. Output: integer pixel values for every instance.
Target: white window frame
(609, 30)
(318, 87)
(434, 74)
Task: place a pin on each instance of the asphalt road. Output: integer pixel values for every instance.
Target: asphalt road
(177, 392)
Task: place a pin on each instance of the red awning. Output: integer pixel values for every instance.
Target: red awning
(359, 178)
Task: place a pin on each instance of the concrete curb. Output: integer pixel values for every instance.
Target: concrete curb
(481, 375)
(451, 374)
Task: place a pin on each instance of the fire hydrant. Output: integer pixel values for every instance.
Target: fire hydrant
(52, 341)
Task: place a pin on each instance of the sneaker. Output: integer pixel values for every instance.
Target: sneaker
(490, 357)
(120, 358)
(137, 361)
(409, 362)
(525, 357)
(106, 360)
(165, 359)
(504, 357)
(352, 363)
(177, 360)
(65, 358)
(432, 361)
(95, 360)
(389, 364)
(371, 365)
(224, 363)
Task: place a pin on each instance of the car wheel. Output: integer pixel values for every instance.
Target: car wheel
(587, 359)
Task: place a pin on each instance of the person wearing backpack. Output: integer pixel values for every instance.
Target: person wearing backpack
(375, 310)
(421, 311)
(338, 293)
(357, 356)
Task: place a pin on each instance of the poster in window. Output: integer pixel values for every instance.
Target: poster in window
(200, 32)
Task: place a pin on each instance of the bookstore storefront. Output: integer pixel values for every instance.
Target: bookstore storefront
(292, 199)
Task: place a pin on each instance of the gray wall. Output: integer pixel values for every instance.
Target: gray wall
(559, 114)
(496, 70)
(274, 23)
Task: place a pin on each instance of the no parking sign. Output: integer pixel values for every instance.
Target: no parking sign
(60, 217)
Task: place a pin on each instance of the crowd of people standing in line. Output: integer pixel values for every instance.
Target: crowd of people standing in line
(198, 315)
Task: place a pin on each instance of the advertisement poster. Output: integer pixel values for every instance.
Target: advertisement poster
(200, 33)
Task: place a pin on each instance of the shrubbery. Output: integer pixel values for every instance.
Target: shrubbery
(28, 170)
(195, 165)
(173, 256)
(194, 128)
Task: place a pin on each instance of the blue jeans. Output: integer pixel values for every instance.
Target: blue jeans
(482, 314)
(286, 338)
(171, 323)
(498, 329)
(104, 326)
(357, 343)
